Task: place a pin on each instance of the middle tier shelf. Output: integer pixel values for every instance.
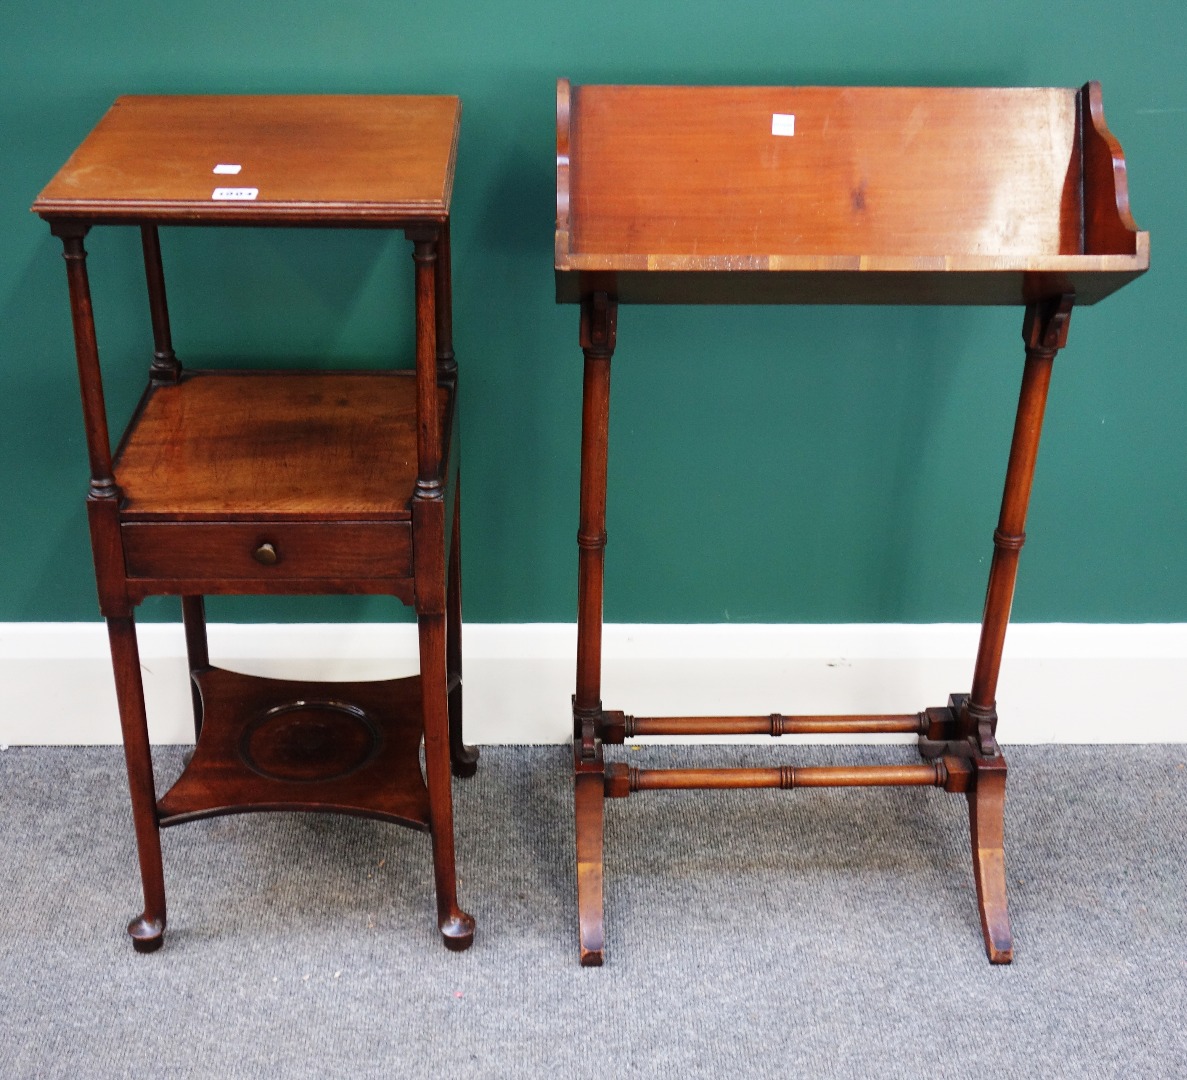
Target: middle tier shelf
(275, 445)
(274, 482)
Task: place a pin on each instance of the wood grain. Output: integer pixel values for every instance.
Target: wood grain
(869, 171)
(317, 159)
(203, 550)
(266, 746)
(882, 195)
(274, 445)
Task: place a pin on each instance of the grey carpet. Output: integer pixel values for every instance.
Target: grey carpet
(812, 934)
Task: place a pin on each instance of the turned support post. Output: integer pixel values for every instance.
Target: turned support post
(599, 323)
(165, 366)
(599, 318)
(428, 424)
(429, 539)
(1044, 331)
(86, 352)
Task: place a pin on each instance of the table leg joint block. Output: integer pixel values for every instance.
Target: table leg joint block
(615, 725)
(620, 780)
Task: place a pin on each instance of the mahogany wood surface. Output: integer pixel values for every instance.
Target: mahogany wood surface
(881, 195)
(279, 482)
(204, 551)
(313, 159)
(272, 744)
(829, 195)
(274, 445)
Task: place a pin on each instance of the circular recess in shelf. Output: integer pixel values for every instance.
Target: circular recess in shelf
(309, 742)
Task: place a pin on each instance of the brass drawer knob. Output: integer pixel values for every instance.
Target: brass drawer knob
(266, 555)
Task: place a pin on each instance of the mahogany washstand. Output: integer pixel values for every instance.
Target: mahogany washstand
(280, 482)
(829, 195)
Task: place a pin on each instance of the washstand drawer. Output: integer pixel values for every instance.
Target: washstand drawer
(262, 549)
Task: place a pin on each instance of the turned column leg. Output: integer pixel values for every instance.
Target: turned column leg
(599, 318)
(148, 929)
(428, 528)
(1045, 333)
(103, 499)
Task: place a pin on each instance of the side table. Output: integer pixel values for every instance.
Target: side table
(829, 195)
(280, 482)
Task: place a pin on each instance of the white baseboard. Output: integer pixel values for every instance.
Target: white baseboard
(1071, 683)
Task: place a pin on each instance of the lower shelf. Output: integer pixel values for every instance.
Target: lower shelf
(272, 744)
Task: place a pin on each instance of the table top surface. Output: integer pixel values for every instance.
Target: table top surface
(876, 181)
(283, 159)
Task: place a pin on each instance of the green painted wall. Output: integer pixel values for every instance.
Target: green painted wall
(798, 465)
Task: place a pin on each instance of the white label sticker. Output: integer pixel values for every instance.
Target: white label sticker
(233, 194)
(227, 170)
(782, 123)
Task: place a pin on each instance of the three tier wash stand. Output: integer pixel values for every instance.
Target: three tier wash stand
(829, 195)
(277, 482)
